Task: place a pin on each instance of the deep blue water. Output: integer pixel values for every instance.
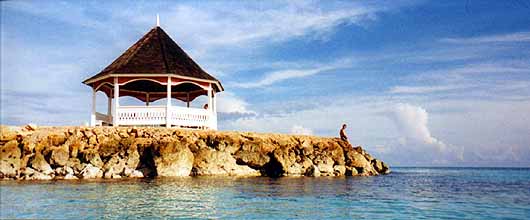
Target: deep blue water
(407, 193)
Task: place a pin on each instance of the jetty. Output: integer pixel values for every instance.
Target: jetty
(48, 153)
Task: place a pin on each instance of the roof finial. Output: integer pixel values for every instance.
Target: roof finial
(157, 20)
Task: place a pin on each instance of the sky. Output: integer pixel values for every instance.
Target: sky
(419, 83)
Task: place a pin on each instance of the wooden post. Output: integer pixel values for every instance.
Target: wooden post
(115, 116)
(146, 99)
(168, 104)
(93, 112)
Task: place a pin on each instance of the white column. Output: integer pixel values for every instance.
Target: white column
(116, 102)
(210, 102)
(214, 103)
(109, 104)
(93, 112)
(168, 104)
(210, 107)
(214, 123)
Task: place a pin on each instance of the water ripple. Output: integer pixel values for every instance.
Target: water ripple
(408, 193)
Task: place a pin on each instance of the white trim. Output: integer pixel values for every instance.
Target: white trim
(102, 84)
(172, 84)
(138, 79)
(191, 82)
(154, 75)
(140, 92)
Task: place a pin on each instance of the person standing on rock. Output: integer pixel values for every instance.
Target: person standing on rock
(343, 133)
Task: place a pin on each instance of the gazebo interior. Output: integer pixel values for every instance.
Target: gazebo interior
(149, 91)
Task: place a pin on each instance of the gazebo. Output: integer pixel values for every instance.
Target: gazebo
(153, 68)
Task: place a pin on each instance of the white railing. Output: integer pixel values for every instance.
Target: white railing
(156, 115)
(103, 118)
(141, 115)
(190, 117)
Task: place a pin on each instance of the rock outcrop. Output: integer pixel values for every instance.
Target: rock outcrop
(45, 153)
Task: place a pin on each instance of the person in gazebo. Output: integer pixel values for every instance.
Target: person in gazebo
(342, 133)
(205, 106)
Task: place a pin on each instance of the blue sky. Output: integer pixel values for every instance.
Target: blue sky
(430, 83)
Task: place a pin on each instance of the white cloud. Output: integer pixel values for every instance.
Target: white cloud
(498, 80)
(278, 76)
(286, 74)
(324, 118)
(61, 11)
(482, 68)
(499, 38)
(411, 122)
(297, 129)
(423, 89)
(276, 21)
(228, 102)
(459, 132)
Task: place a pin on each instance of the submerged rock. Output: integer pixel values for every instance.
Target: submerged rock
(91, 172)
(40, 176)
(70, 177)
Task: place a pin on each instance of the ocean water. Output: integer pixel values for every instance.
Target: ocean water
(407, 193)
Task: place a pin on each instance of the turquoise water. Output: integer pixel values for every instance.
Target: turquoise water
(407, 193)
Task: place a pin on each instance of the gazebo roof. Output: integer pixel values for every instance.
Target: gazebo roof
(155, 53)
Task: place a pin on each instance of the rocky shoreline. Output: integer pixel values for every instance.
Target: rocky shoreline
(49, 153)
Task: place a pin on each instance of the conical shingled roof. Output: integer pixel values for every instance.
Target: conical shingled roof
(155, 53)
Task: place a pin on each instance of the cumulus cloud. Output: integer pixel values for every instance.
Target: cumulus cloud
(297, 129)
(411, 122)
(231, 107)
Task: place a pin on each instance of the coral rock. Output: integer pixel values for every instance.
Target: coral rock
(91, 172)
(10, 155)
(173, 159)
